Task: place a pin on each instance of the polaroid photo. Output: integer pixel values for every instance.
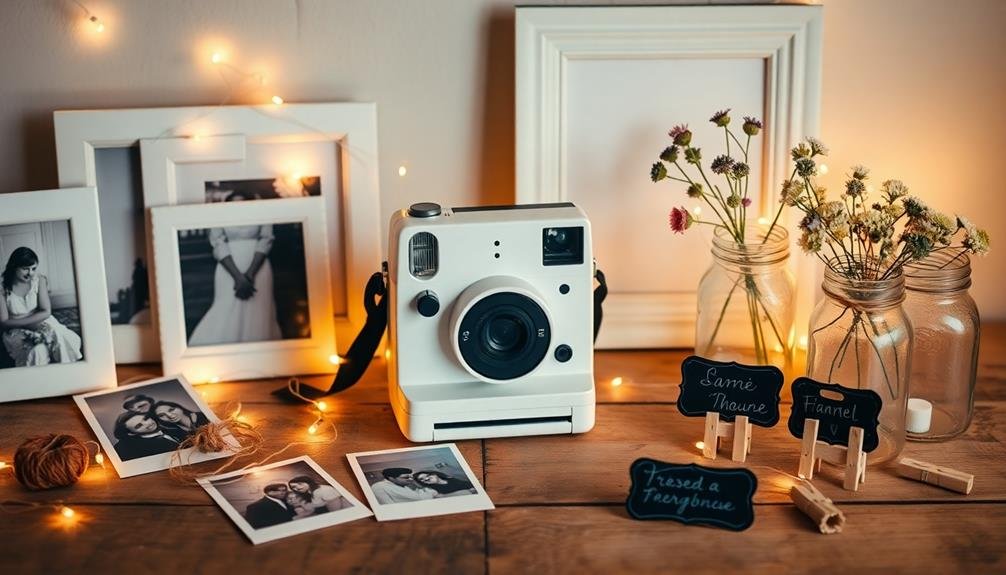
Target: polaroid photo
(283, 499)
(141, 425)
(418, 482)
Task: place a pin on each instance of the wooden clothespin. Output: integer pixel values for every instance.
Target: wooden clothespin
(820, 509)
(739, 429)
(935, 475)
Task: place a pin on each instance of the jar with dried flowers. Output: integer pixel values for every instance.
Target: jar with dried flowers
(860, 335)
(745, 298)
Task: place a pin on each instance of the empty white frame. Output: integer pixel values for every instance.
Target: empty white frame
(84, 281)
(354, 210)
(597, 90)
(224, 358)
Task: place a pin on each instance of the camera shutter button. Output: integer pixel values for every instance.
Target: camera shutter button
(424, 210)
(427, 303)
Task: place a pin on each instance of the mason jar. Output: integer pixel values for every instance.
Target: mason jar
(947, 329)
(860, 338)
(745, 300)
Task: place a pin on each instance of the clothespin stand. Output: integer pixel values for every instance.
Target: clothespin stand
(740, 430)
(852, 458)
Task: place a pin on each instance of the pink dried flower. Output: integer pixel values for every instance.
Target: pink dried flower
(746, 202)
(680, 219)
(681, 135)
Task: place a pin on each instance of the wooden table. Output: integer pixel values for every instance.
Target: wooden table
(560, 499)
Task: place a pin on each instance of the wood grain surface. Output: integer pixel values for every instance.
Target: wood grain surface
(560, 498)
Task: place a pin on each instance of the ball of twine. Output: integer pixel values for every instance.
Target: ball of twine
(50, 461)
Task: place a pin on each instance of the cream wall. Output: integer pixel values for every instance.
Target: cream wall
(912, 88)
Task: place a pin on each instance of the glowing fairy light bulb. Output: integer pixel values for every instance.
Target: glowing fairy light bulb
(99, 459)
(700, 445)
(763, 221)
(97, 24)
(803, 342)
(334, 359)
(402, 171)
(822, 169)
(3, 465)
(67, 512)
(387, 354)
(277, 100)
(697, 210)
(217, 58)
(313, 429)
(616, 381)
(322, 406)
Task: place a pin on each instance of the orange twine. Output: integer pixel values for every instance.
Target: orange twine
(50, 461)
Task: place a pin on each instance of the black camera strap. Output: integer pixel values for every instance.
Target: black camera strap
(363, 348)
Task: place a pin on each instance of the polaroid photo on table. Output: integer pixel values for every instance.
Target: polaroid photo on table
(141, 425)
(418, 482)
(55, 338)
(283, 499)
(243, 288)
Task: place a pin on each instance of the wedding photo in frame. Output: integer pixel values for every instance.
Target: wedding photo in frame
(763, 61)
(326, 149)
(55, 332)
(243, 288)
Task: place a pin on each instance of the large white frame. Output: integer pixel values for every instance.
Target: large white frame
(97, 369)
(787, 38)
(351, 126)
(254, 359)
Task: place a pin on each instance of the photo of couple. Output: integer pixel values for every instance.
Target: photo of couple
(282, 499)
(136, 422)
(418, 482)
(39, 317)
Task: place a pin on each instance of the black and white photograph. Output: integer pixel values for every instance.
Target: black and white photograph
(418, 482)
(283, 499)
(244, 284)
(292, 186)
(141, 425)
(39, 317)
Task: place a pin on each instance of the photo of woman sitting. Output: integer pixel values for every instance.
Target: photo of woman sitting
(31, 335)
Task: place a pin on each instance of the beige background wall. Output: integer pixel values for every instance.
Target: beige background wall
(913, 88)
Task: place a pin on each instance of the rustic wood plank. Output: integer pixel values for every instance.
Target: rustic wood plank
(933, 538)
(594, 467)
(201, 539)
(361, 428)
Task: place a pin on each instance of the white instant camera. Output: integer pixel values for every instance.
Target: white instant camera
(491, 321)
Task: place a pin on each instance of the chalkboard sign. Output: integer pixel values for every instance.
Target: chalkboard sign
(692, 494)
(856, 408)
(730, 389)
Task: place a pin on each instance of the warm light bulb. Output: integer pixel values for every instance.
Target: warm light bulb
(3, 465)
(616, 381)
(387, 353)
(321, 405)
(822, 169)
(99, 27)
(66, 512)
(402, 171)
(277, 100)
(800, 475)
(803, 342)
(217, 58)
(335, 359)
(697, 210)
(762, 221)
(214, 379)
(313, 429)
(99, 459)
(700, 445)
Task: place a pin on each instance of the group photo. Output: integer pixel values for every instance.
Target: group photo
(39, 315)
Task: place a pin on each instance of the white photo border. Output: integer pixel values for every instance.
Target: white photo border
(251, 360)
(97, 369)
(151, 463)
(351, 125)
(479, 501)
(308, 524)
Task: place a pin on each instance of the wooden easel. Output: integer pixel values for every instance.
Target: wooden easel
(852, 458)
(740, 430)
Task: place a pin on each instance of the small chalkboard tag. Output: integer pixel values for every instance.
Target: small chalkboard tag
(692, 494)
(837, 409)
(730, 389)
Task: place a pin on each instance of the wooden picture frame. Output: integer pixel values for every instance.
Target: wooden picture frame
(305, 354)
(350, 127)
(780, 45)
(76, 212)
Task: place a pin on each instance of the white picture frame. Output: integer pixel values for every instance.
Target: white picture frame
(96, 369)
(352, 127)
(258, 359)
(357, 510)
(155, 462)
(552, 42)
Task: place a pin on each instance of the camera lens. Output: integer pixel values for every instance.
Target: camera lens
(504, 336)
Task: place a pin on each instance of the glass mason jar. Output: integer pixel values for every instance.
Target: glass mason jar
(745, 300)
(947, 328)
(860, 338)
